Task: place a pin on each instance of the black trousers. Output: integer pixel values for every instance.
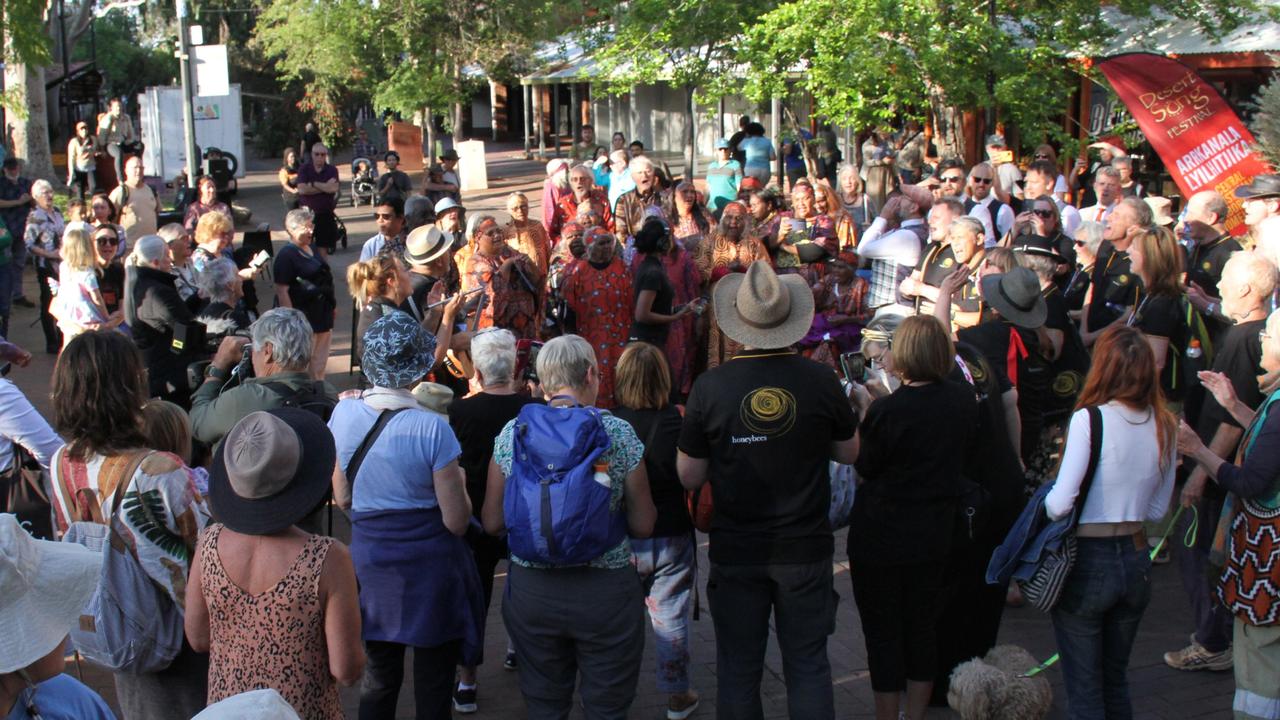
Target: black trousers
(83, 184)
(899, 606)
(970, 618)
(433, 670)
(52, 335)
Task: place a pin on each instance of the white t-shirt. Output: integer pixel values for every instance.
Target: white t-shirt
(1130, 485)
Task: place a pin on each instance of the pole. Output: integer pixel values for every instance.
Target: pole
(539, 100)
(527, 122)
(188, 93)
(67, 126)
(775, 133)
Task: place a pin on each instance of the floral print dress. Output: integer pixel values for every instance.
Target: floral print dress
(601, 300)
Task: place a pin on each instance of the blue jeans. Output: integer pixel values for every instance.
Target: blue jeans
(666, 566)
(1095, 623)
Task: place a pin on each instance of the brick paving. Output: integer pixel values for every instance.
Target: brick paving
(1158, 691)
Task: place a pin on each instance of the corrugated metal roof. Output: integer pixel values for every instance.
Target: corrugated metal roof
(1176, 36)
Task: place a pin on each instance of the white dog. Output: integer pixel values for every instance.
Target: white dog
(989, 688)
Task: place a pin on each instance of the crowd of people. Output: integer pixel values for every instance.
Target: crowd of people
(557, 392)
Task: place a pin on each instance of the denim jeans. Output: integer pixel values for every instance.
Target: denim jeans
(1095, 623)
(666, 566)
(802, 599)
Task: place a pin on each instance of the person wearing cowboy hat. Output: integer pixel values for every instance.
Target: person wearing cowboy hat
(46, 587)
(761, 429)
(427, 257)
(1010, 342)
(256, 575)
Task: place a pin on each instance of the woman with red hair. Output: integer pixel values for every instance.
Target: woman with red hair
(1103, 599)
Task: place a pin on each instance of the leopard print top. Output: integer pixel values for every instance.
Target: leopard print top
(274, 639)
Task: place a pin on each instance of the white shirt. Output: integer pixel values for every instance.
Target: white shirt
(1003, 221)
(20, 422)
(1096, 213)
(1129, 485)
(902, 245)
(1070, 218)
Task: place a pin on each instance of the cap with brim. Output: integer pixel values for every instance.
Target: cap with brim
(761, 309)
(398, 351)
(722, 144)
(272, 470)
(1037, 245)
(46, 586)
(1016, 296)
(1262, 186)
(264, 704)
(435, 168)
(425, 244)
(446, 204)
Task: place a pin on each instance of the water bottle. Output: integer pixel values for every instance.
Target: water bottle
(1193, 349)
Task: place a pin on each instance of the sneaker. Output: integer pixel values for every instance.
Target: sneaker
(510, 662)
(464, 701)
(682, 705)
(1195, 657)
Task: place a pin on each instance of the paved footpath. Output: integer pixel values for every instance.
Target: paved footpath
(1158, 691)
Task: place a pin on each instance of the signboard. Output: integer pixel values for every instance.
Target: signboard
(406, 139)
(472, 172)
(210, 62)
(1201, 140)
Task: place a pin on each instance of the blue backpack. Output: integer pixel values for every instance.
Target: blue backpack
(556, 511)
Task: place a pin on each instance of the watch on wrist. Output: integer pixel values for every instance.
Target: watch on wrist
(213, 372)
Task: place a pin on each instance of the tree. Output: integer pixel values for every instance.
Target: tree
(30, 45)
(693, 44)
(1265, 123)
(402, 55)
(866, 62)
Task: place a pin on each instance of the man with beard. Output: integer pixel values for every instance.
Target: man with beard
(583, 190)
(629, 213)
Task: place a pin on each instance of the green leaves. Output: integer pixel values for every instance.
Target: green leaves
(145, 512)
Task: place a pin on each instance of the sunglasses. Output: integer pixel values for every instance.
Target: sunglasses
(953, 178)
(108, 241)
(1046, 214)
(384, 216)
(981, 180)
(1079, 243)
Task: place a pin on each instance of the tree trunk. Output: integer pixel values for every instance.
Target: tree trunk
(457, 123)
(429, 123)
(691, 135)
(948, 125)
(31, 133)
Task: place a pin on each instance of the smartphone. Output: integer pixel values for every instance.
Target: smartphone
(854, 366)
(259, 260)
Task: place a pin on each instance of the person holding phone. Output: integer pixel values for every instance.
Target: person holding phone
(654, 296)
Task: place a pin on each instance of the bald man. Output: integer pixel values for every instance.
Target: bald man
(318, 190)
(1205, 226)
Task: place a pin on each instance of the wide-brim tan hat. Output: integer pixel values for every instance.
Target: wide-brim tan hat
(1160, 210)
(762, 309)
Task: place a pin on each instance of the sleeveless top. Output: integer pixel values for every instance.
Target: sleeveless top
(274, 639)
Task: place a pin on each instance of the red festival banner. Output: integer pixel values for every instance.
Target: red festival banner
(1201, 140)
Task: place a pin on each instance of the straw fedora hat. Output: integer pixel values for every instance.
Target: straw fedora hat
(761, 309)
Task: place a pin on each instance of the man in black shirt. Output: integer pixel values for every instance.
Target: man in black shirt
(1115, 288)
(1247, 282)
(1206, 224)
(762, 428)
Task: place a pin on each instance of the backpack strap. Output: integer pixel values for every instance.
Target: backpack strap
(281, 389)
(129, 468)
(1095, 454)
(357, 459)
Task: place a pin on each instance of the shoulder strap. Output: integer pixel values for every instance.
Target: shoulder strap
(130, 468)
(653, 432)
(281, 389)
(379, 425)
(1095, 454)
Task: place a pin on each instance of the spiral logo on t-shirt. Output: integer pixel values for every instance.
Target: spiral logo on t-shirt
(768, 411)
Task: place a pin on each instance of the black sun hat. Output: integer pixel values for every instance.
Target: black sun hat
(273, 469)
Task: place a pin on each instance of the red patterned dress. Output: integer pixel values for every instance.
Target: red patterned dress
(601, 299)
(512, 305)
